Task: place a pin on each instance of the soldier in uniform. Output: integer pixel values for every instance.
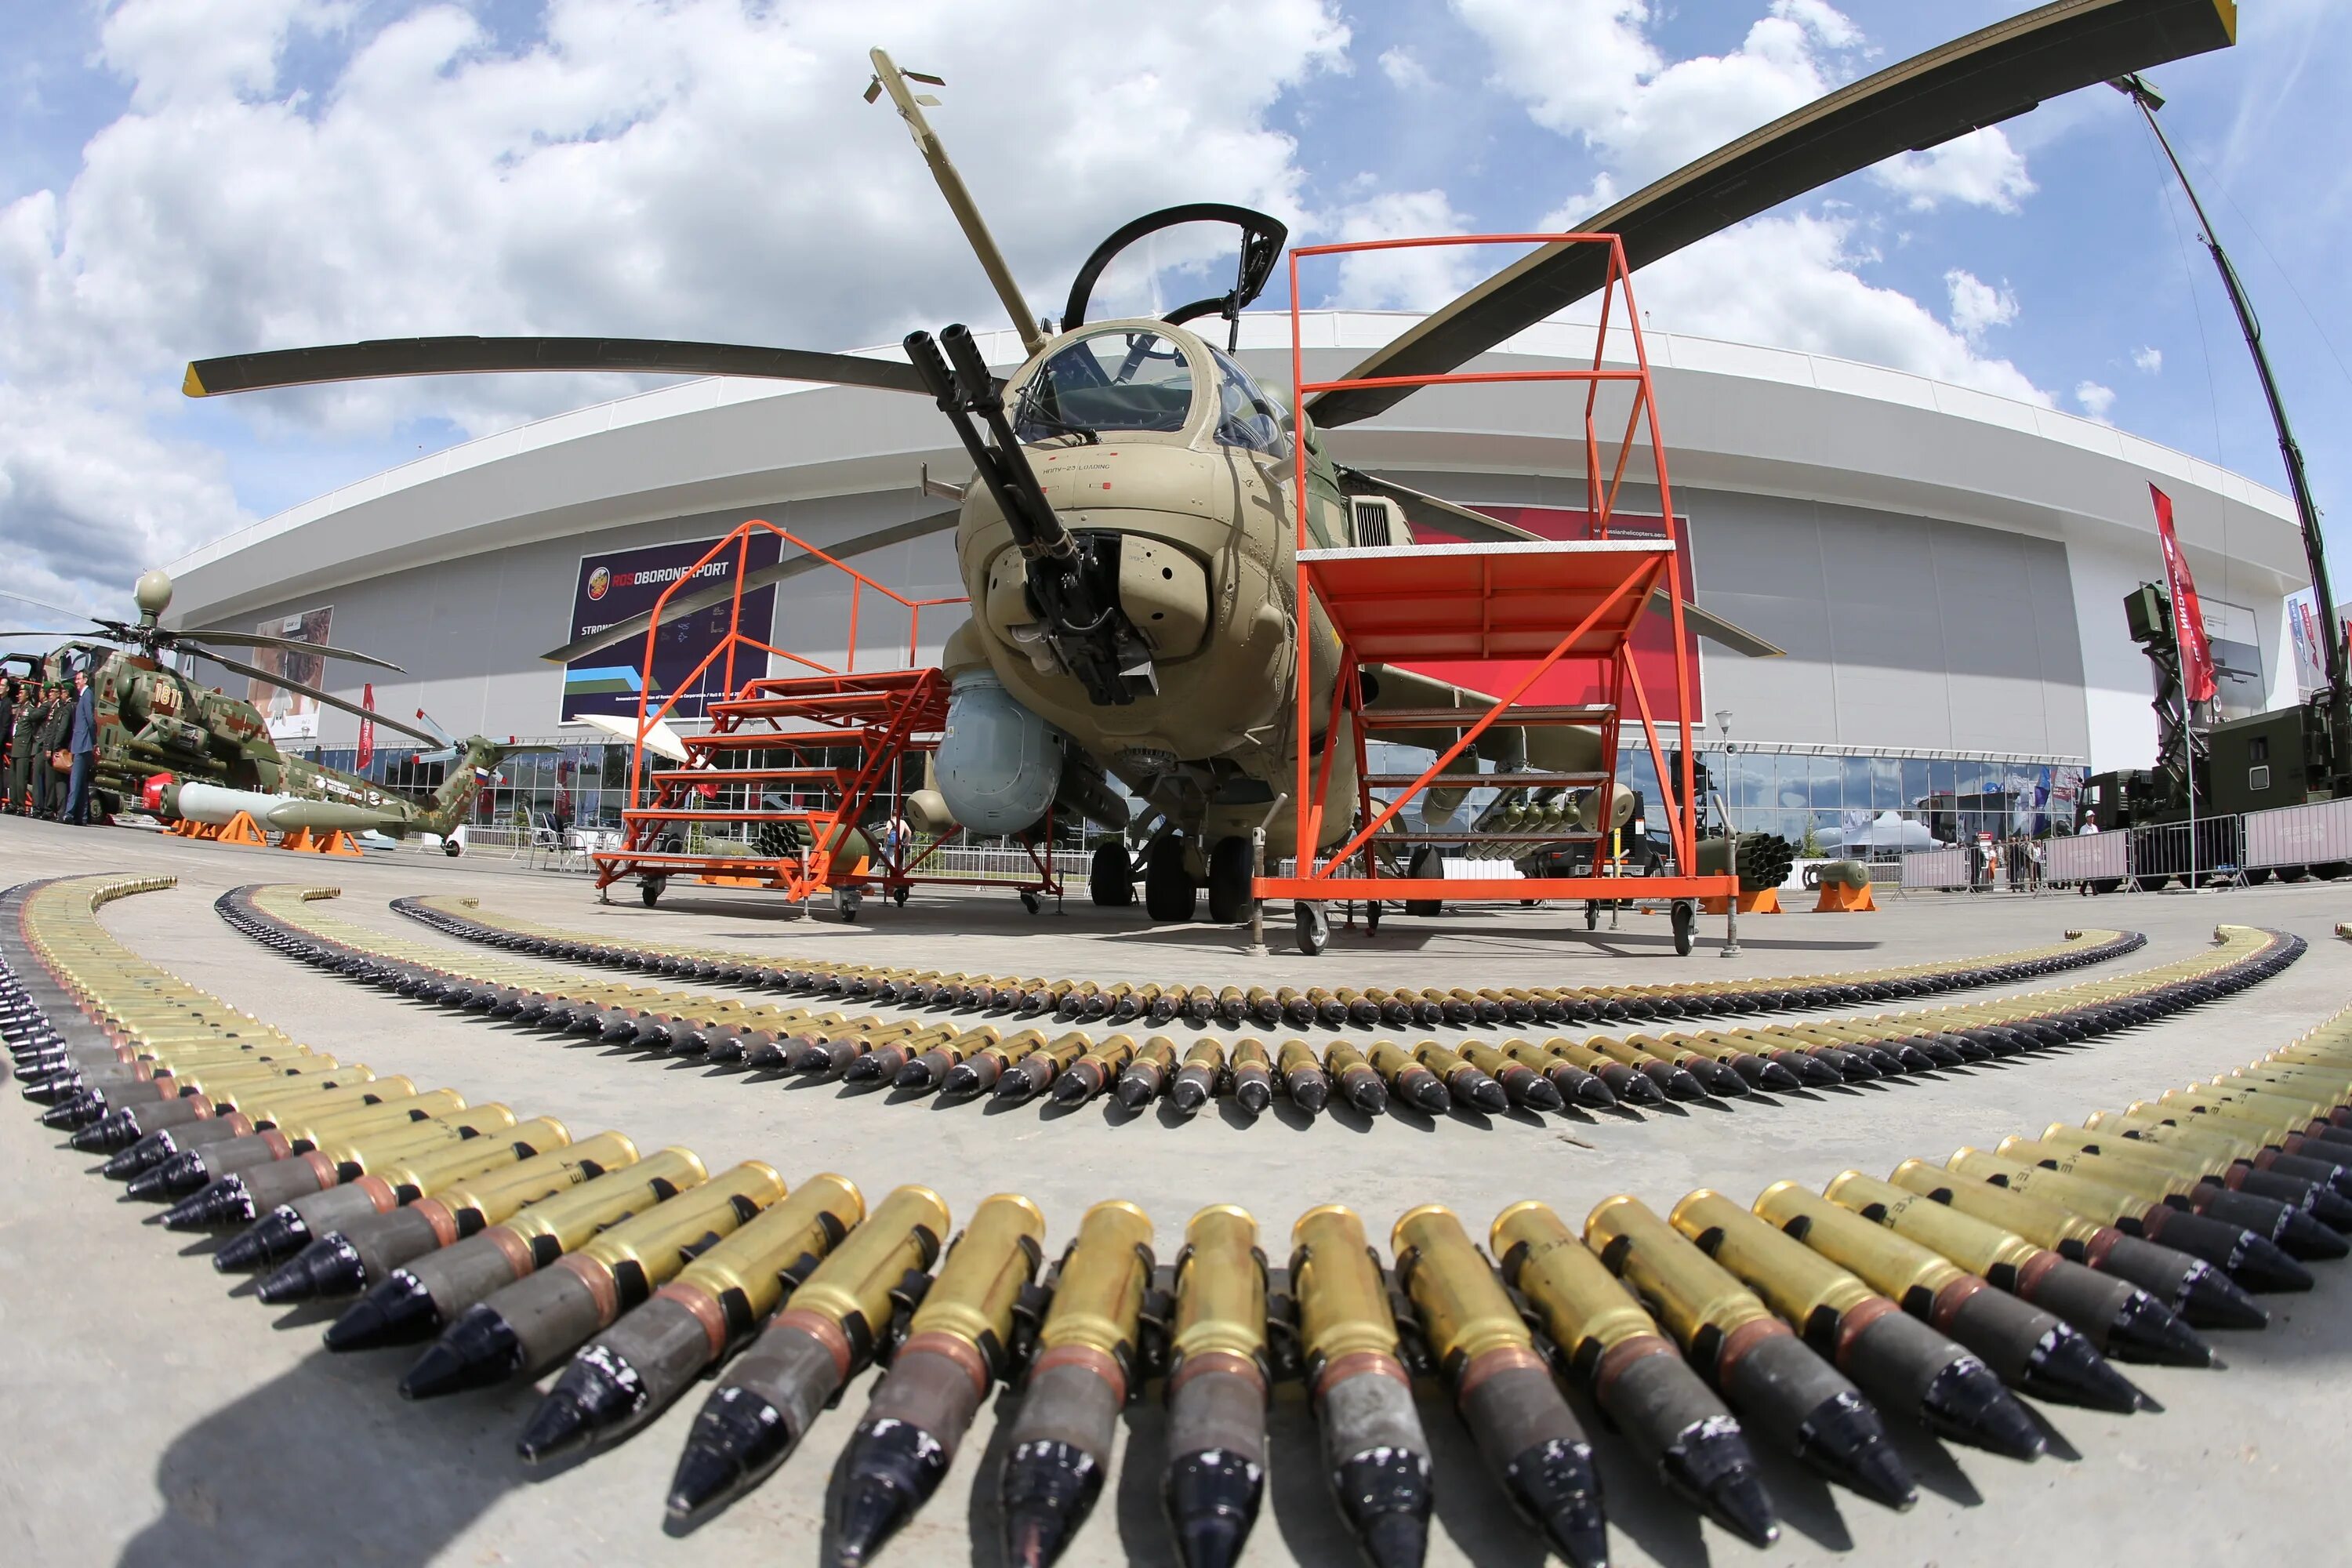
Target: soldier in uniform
(7, 736)
(57, 717)
(23, 736)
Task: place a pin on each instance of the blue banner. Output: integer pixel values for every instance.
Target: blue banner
(625, 584)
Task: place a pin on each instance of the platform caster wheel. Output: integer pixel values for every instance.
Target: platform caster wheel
(1373, 917)
(650, 889)
(1229, 882)
(1314, 928)
(1425, 862)
(1110, 880)
(1029, 901)
(1592, 914)
(1168, 891)
(845, 904)
(898, 896)
(1685, 918)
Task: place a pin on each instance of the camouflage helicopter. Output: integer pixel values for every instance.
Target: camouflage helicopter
(173, 747)
(1126, 538)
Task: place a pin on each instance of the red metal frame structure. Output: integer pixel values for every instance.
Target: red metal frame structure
(880, 716)
(1485, 602)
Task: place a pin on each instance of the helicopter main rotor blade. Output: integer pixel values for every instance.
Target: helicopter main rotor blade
(53, 609)
(473, 356)
(37, 634)
(256, 639)
(636, 625)
(1975, 82)
(328, 698)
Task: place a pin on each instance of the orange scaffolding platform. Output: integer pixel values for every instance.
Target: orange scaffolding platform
(1518, 609)
(802, 763)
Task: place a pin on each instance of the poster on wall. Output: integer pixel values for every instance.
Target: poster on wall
(1574, 681)
(622, 584)
(291, 715)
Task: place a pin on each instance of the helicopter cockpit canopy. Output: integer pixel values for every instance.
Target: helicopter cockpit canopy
(1123, 378)
(1260, 247)
(1120, 378)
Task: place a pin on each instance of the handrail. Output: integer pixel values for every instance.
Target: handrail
(741, 537)
(1601, 505)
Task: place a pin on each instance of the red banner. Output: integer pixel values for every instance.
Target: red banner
(2188, 615)
(367, 727)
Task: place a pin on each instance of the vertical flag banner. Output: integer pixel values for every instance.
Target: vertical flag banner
(2188, 615)
(367, 727)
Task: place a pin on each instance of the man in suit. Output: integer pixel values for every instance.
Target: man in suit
(81, 740)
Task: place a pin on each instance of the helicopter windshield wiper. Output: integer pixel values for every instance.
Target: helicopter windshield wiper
(1032, 414)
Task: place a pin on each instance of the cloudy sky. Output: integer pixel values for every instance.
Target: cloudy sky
(181, 178)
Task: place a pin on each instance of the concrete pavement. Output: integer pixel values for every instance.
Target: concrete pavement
(158, 1420)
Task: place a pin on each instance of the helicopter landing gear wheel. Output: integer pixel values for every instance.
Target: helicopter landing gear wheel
(1029, 901)
(1110, 880)
(1592, 914)
(1168, 890)
(650, 889)
(1229, 880)
(1425, 862)
(1314, 927)
(1685, 918)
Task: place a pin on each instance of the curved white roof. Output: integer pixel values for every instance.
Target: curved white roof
(1736, 416)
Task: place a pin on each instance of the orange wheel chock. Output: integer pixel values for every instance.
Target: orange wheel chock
(1838, 899)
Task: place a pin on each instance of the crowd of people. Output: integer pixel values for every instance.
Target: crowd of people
(48, 733)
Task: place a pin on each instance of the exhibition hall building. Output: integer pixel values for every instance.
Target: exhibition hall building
(1945, 568)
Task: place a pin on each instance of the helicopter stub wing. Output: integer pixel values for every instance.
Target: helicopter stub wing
(1425, 510)
(474, 357)
(766, 576)
(1987, 76)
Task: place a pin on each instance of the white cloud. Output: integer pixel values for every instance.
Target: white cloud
(2148, 360)
(1587, 68)
(1979, 169)
(1977, 305)
(693, 168)
(2095, 399)
(1418, 279)
(1403, 70)
(1590, 70)
(1793, 281)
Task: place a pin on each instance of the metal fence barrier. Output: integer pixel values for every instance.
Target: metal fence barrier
(2315, 834)
(1932, 869)
(2086, 857)
(2288, 842)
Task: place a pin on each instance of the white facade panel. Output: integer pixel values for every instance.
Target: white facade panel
(1946, 567)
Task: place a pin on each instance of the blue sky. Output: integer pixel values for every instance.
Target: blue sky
(185, 177)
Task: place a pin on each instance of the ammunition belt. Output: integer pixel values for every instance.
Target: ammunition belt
(462, 917)
(57, 962)
(287, 917)
(60, 967)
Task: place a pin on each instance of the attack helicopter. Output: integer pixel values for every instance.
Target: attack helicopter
(159, 733)
(1126, 540)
